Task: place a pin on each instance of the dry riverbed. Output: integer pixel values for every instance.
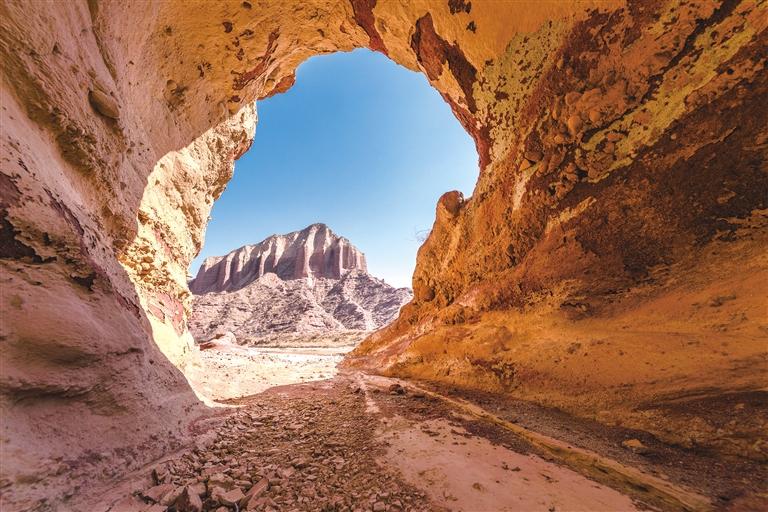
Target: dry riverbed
(292, 433)
(355, 443)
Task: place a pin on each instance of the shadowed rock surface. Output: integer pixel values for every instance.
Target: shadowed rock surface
(610, 263)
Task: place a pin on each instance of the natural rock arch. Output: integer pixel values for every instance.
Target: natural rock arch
(622, 181)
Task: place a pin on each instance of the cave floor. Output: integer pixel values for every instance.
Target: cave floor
(362, 442)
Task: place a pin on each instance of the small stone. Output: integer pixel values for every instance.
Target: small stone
(189, 501)
(157, 492)
(533, 156)
(570, 172)
(221, 480)
(160, 475)
(257, 503)
(594, 116)
(212, 470)
(104, 104)
(129, 504)
(232, 498)
(171, 496)
(217, 493)
(635, 445)
(718, 301)
(396, 389)
(574, 124)
(255, 491)
(198, 488)
(379, 506)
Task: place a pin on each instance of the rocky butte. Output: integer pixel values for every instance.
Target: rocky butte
(313, 252)
(610, 263)
(305, 282)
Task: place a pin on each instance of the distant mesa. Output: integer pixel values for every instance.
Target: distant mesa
(305, 282)
(315, 252)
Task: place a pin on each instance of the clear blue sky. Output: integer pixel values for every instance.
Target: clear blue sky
(360, 144)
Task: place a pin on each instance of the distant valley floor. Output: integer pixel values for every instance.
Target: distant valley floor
(228, 371)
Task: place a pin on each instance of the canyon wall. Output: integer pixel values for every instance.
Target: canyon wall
(610, 261)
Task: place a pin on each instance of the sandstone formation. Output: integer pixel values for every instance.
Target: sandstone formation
(306, 282)
(610, 262)
(313, 252)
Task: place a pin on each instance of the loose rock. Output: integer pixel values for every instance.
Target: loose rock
(189, 501)
(104, 104)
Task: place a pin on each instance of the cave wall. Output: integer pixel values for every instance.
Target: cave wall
(622, 181)
(611, 260)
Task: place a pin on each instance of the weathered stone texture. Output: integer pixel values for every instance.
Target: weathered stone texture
(313, 252)
(610, 261)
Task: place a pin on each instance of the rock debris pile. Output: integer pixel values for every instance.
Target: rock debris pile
(283, 453)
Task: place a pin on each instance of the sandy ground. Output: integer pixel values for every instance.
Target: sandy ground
(233, 371)
(351, 444)
(300, 435)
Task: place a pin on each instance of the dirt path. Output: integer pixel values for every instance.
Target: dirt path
(362, 443)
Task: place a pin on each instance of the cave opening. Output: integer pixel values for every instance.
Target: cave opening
(597, 303)
(312, 245)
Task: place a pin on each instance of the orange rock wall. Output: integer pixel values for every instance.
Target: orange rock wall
(611, 260)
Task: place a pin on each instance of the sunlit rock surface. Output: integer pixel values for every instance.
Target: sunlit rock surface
(305, 282)
(313, 252)
(611, 260)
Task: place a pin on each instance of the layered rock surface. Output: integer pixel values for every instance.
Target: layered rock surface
(313, 252)
(306, 282)
(611, 260)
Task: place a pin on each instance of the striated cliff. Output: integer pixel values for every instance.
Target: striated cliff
(314, 251)
(305, 282)
(270, 305)
(610, 262)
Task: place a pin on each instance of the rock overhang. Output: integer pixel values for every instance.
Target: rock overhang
(624, 131)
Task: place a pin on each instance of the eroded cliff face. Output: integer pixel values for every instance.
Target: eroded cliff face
(270, 306)
(313, 252)
(304, 282)
(610, 260)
